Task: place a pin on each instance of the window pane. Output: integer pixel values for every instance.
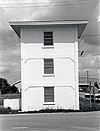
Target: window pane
(48, 66)
(48, 42)
(48, 94)
(48, 71)
(47, 33)
(48, 38)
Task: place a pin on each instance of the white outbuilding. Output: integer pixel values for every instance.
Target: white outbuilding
(49, 63)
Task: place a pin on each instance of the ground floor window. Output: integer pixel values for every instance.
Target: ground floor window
(48, 94)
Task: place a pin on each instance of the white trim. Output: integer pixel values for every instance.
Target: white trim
(48, 75)
(48, 103)
(48, 47)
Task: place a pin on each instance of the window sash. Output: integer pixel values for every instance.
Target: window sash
(48, 66)
(48, 33)
(48, 94)
(48, 38)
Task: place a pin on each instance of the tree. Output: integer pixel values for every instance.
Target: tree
(96, 85)
(13, 89)
(6, 88)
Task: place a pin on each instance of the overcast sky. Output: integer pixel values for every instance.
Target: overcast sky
(49, 10)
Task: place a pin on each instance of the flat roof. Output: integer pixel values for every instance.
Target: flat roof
(81, 24)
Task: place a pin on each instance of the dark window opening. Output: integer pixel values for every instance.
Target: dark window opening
(48, 38)
(48, 94)
(48, 66)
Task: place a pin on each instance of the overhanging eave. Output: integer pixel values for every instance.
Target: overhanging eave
(16, 25)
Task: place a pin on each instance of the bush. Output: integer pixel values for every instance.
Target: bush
(85, 105)
(95, 107)
(48, 110)
(5, 110)
(8, 110)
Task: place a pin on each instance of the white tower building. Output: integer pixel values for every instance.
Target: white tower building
(49, 63)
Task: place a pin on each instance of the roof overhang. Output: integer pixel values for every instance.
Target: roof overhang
(81, 24)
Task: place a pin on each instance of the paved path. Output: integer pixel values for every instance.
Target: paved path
(89, 121)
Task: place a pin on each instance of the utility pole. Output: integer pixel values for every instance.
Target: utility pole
(94, 93)
(87, 79)
(90, 95)
(2, 84)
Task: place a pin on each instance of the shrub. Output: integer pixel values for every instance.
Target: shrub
(8, 110)
(5, 110)
(85, 105)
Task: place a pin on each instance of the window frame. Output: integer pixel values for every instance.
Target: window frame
(44, 66)
(48, 45)
(47, 97)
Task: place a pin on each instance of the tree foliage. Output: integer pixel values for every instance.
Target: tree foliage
(96, 85)
(6, 88)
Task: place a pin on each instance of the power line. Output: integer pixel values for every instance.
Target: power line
(25, 5)
(91, 35)
(98, 35)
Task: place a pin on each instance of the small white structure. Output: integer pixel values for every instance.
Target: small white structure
(49, 63)
(12, 103)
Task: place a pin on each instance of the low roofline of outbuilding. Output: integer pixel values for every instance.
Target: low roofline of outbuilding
(81, 24)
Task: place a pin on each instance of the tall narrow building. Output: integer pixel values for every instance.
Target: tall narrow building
(49, 63)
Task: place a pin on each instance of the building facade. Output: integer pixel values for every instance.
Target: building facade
(49, 63)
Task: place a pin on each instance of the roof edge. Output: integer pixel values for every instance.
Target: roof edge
(80, 23)
(48, 22)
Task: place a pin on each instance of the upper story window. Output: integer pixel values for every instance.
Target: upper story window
(48, 66)
(48, 38)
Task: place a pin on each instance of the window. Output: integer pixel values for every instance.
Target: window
(48, 66)
(48, 38)
(48, 94)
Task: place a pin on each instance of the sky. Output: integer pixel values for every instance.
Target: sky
(10, 56)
